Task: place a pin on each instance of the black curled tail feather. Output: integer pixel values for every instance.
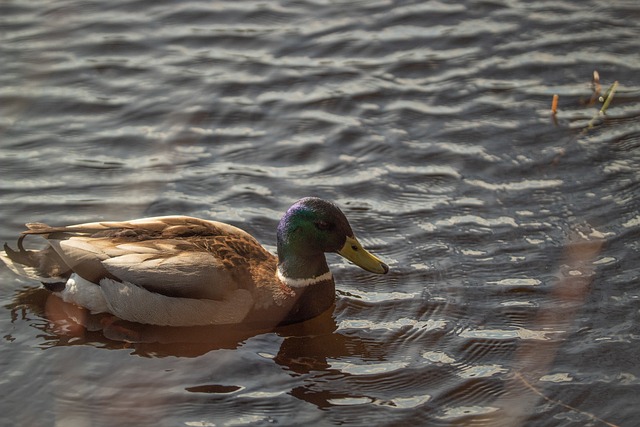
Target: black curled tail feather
(44, 265)
(21, 256)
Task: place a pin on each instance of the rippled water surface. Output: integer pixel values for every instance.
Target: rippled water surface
(512, 235)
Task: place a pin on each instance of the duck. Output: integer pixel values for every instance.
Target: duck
(185, 271)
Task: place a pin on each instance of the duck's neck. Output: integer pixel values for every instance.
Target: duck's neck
(297, 271)
(310, 280)
(312, 284)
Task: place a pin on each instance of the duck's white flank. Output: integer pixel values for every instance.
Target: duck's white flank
(301, 283)
(136, 304)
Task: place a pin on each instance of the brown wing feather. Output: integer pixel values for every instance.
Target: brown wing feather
(96, 250)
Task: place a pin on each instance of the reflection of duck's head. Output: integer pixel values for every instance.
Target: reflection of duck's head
(184, 271)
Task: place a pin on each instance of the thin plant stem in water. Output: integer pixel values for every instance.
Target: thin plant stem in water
(608, 97)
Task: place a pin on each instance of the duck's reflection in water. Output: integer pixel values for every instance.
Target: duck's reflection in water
(306, 350)
(68, 324)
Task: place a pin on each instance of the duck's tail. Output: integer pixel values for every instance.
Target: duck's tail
(44, 265)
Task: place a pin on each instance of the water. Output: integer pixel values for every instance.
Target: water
(512, 238)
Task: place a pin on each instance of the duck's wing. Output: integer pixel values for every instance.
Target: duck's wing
(174, 256)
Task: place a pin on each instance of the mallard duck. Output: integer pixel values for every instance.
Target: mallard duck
(184, 271)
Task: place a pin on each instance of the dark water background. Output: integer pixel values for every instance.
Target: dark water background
(513, 297)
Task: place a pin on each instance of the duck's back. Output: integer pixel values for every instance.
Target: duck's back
(176, 256)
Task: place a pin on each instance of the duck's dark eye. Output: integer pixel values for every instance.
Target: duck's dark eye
(323, 225)
(354, 247)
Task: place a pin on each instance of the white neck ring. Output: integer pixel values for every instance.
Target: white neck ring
(302, 283)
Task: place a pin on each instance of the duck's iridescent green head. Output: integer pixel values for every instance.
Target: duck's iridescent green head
(312, 227)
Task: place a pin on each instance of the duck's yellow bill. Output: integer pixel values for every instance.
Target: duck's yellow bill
(354, 252)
